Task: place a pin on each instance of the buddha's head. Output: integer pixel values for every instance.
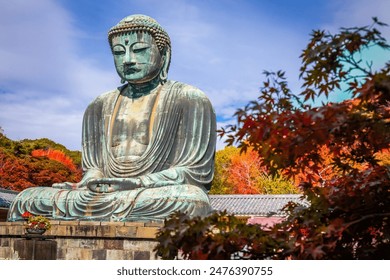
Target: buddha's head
(141, 49)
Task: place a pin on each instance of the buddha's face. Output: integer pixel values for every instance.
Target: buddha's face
(137, 57)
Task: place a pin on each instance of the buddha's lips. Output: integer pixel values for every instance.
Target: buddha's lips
(131, 70)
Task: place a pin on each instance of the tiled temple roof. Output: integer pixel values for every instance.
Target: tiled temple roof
(254, 205)
(6, 197)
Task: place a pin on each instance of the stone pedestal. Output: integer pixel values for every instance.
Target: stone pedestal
(80, 240)
(36, 249)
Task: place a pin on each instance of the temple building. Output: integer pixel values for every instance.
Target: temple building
(265, 210)
(6, 197)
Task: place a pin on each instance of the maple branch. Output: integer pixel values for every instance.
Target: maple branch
(366, 217)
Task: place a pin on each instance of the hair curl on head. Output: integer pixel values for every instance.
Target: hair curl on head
(141, 23)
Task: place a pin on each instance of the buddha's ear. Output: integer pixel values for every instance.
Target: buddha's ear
(165, 67)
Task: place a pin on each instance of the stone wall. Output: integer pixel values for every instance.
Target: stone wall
(82, 240)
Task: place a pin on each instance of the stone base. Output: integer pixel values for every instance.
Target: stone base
(36, 249)
(81, 240)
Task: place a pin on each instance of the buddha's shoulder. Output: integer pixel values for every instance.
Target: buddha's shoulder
(187, 91)
(106, 96)
(109, 94)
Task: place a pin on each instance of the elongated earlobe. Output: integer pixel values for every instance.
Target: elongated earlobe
(165, 67)
(163, 76)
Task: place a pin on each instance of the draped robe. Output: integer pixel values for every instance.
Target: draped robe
(175, 170)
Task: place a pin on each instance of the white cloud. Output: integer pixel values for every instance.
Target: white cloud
(358, 13)
(35, 39)
(45, 85)
(49, 118)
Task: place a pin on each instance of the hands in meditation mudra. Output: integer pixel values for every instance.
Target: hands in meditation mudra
(147, 147)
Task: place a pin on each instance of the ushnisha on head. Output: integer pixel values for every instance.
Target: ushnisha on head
(142, 23)
(136, 42)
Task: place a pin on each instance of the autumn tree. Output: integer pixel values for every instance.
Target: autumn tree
(244, 172)
(348, 216)
(239, 172)
(56, 155)
(13, 172)
(30, 163)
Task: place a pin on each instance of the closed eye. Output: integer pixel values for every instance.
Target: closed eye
(137, 50)
(118, 50)
(139, 47)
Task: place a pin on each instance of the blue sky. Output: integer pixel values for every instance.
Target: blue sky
(55, 58)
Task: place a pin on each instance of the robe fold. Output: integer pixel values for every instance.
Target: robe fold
(175, 170)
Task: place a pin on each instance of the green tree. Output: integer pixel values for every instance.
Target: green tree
(220, 184)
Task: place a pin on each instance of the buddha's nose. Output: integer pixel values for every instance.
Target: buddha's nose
(128, 58)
